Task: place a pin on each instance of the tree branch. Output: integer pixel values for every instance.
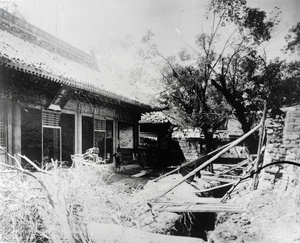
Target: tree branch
(32, 175)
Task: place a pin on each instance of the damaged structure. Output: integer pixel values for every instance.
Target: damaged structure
(55, 101)
(283, 142)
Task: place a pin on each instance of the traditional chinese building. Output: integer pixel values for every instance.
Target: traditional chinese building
(55, 101)
(157, 148)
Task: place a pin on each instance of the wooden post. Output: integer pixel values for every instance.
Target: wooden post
(78, 132)
(234, 143)
(16, 128)
(261, 137)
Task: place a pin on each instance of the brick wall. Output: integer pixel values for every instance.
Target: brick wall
(283, 136)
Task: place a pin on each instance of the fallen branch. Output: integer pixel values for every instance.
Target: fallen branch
(32, 175)
(13, 157)
(35, 166)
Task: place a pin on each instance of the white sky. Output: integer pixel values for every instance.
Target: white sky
(89, 23)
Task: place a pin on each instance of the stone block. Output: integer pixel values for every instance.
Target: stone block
(291, 135)
(276, 145)
(289, 127)
(296, 128)
(291, 120)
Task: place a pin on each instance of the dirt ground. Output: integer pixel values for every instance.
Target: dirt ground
(271, 214)
(124, 180)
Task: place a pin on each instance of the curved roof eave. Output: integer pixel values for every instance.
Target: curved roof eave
(68, 81)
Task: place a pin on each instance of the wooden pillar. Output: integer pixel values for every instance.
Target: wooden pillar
(9, 130)
(78, 133)
(117, 140)
(16, 128)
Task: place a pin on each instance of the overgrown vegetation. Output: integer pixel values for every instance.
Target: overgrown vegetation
(58, 205)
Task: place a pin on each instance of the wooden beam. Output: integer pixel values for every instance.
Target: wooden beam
(234, 143)
(201, 208)
(100, 232)
(259, 149)
(240, 180)
(198, 200)
(217, 187)
(241, 164)
(140, 174)
(190, 162)
(221, 179)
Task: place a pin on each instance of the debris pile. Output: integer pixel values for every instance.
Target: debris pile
(69, 203)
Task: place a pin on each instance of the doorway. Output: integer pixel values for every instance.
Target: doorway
(67, 124)
(31, 135)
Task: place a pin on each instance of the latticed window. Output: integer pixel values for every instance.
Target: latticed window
(99, 125)
(51, 136)
(51, 118)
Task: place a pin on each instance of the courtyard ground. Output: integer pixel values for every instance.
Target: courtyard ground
(272, 212)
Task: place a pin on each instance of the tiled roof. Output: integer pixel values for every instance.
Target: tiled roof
(154, 117)
(18, 53)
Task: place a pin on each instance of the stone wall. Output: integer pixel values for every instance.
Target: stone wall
(283, 136)
(190, 148)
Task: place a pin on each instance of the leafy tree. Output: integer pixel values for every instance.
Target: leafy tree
(280, 83)
(229, 66)
(188, 91)
(235, 61)
(198, 105)
(293, 39)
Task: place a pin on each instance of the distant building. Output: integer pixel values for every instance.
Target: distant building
(54, 100)
(157, 148)
(191, 141)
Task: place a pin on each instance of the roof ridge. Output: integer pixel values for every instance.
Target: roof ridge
(35, 35)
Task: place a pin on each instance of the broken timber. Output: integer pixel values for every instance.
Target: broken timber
(221, 179)
(239, 165)
(140, 174)
(199, 208)
(190, 162)
(234, 143)
(217, 187)
(259, 149)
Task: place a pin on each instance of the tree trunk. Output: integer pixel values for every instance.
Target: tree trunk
(241, 115)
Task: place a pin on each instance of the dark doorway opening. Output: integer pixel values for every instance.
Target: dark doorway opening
(87, 133)
(67, 123)
(31, 135)
(109, 141)
(51, 144)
